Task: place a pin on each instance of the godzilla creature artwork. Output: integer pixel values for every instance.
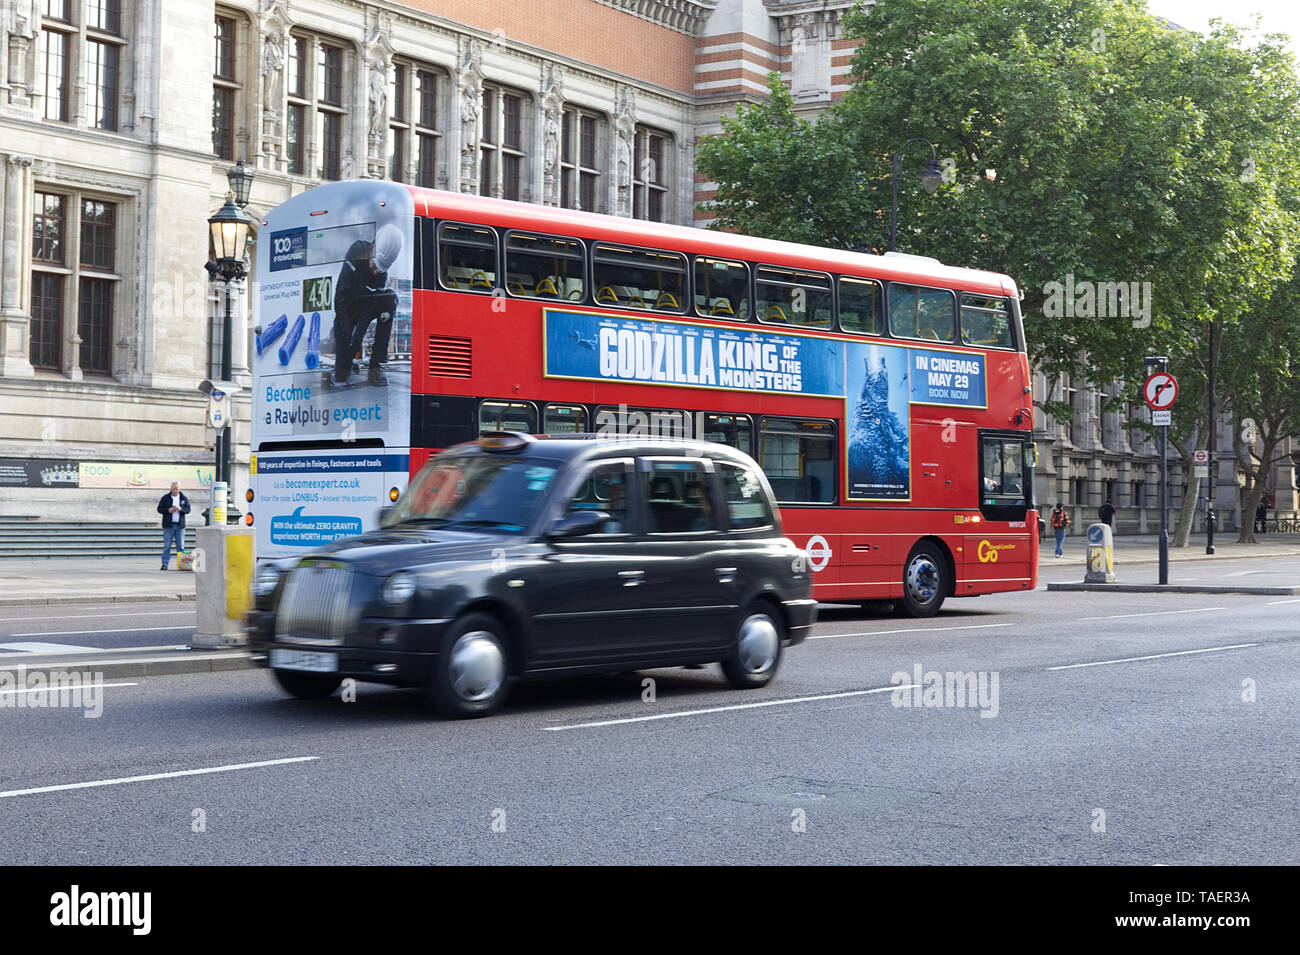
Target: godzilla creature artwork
(878, 453)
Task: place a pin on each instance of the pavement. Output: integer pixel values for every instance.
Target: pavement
(108, 581)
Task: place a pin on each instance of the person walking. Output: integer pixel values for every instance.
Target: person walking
(173, 507)
(1060, 521)
(1107, 515)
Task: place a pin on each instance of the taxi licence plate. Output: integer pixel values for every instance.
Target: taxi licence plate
(304, 660)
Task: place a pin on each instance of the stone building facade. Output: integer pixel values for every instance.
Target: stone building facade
(120, 118)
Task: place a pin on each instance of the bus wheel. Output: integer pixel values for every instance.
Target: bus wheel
(924, 581)
(757, 654)
(307, 686)
(470, 671)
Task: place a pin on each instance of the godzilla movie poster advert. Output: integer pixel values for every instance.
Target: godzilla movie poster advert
(876, 419)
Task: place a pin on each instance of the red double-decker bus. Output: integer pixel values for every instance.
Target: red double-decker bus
(887, 398)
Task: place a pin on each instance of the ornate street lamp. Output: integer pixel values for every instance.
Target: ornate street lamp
(931, 178)
(229, 230)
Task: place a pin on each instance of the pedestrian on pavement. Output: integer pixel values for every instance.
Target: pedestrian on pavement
(173, 507)
(1060, 521)
(1261, 516)
(1107, 514)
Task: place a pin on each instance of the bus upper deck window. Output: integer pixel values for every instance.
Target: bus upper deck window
(986, 321)
(545, 266)
(861, 309)
(639, 278)
(721, 288)
(467, 257)
(918, 312)
(793, 297)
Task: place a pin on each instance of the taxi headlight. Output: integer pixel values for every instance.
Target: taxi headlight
(266, 579)
(398, 588)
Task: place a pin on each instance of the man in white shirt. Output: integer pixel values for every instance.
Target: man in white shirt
(173, 507)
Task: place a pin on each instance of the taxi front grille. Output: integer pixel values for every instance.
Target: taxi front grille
(315, 607)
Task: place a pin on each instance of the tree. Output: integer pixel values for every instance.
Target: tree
(1146, 171)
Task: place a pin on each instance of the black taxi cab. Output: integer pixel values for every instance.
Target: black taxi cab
(518, 556)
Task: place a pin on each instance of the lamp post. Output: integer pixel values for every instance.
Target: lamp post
(229, 229)
(931, 177)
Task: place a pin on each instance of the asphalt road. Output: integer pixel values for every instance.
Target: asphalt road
(1129, 706)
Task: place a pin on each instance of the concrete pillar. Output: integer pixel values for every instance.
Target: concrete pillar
(223, 568)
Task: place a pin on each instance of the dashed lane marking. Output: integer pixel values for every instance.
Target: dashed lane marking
(154, 776)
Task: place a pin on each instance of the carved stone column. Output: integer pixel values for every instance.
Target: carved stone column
(271, 97)
(15, 324)
(469, 104)
(551, 116)
(378, 60)
(624, 149)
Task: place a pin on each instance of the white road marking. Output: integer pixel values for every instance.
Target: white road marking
(74, 633)
(1154, 656)
(178, 646)
(102, 616)
(1274, 603)
(1239, 573)
(723, 709)
(44, 647)
(1155, 613)
(59, 689)
(153, 776)
(874, 633)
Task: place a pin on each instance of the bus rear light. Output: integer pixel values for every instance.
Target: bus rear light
(974, 519)
(394, 494)
(248, 518)
(248, 495)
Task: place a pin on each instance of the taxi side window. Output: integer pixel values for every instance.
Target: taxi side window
(677, 498)
(747, 507)
(605, 489)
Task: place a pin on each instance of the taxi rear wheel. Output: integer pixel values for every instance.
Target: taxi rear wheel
(757, 652)
(470, 672)
(307, 686)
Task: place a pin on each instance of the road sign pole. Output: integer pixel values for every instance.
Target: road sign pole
(1164, 509)
(1213, 446)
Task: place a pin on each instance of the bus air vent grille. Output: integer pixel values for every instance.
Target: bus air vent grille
(450, 357)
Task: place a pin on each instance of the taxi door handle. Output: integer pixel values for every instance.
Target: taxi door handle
(726, 575)
(632, 578)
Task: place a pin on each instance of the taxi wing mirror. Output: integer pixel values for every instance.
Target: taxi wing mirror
(577, 524)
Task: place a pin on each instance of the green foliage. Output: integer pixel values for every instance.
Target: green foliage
(1125, 152)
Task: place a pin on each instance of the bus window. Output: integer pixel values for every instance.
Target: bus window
(924, 313)
(467, 257)
(639, 278)
(507, 416)
(564, 419)
(985, 321)
(729, 429)
(545, 266)
(792, 297)
(1003, 467)
(721, 288)
(798, 456)
(860, 306)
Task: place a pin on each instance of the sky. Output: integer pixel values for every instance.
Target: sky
(1282, 16)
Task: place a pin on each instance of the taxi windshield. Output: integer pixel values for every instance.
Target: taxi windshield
(479, 491)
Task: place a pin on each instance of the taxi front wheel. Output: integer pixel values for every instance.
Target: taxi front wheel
(757, 651)
(469, 673)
